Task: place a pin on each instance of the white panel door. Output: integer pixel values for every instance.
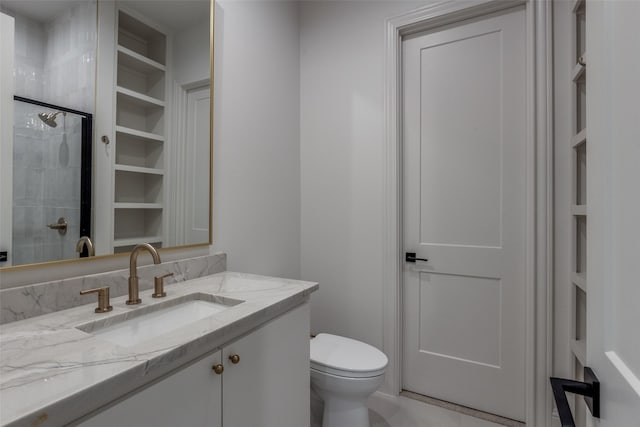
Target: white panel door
(613, 194)
(465, 211)
(198, 154)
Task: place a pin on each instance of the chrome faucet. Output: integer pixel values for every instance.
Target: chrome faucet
(133, 270)
(85, 241)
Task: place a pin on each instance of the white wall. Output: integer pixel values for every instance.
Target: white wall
(191, 61)
(342, 137)
(256, 137)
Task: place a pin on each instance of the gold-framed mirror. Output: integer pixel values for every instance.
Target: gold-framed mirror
(111, 128)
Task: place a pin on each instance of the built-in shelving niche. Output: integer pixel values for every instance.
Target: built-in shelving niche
(138, 171)
(579, 207)
(133, 226)
(137, 149)
(137, 187)
(141, 38)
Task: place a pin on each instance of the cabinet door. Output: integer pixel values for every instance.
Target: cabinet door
(269, 386)
(188, 398)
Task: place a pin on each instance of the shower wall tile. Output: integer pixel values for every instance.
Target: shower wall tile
(33, 300)
(29, 57)
(46, 184)
(55, 63)
(70, 58)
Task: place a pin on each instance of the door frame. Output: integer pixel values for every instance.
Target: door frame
(539, 184)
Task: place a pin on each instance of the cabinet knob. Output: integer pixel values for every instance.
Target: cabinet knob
(218, 369)
(234, 358)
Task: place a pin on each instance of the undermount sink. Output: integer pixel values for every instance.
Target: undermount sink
(148, 322)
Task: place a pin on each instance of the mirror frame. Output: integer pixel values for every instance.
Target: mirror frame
(212, 7)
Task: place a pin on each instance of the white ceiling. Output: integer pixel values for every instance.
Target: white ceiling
(173, 14)
(38, 10)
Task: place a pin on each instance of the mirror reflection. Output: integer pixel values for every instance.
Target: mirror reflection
(110, 143)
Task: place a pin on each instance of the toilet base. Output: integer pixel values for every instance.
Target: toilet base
(339, 412)
(345, 399)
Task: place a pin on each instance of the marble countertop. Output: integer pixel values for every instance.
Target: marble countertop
(52, 373)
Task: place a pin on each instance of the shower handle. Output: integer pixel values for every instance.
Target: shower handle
(411, 257)
(61, 225)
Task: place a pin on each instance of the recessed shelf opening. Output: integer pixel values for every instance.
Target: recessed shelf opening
(135, 151)
(139, 115)
(140, 224)
(141, 38)
(135, 187)
(581, 245)
(581, 174)
(581, 102)
(149, 83)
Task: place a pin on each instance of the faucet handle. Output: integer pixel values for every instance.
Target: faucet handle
(158, 286)
(103, 299)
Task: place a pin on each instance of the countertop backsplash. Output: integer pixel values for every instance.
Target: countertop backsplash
(32, 300)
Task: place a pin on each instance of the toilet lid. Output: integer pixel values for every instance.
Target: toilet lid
(344, 356)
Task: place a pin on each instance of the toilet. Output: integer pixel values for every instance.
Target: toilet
(344, 373)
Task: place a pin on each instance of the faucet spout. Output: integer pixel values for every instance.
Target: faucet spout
(133, 270)
(85, 241)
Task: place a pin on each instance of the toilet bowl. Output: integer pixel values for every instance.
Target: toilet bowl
(344, 373)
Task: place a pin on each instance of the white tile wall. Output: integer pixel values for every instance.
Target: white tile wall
(54, 63)
(46, 185)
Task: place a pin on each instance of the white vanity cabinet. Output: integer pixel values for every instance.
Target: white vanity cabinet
(267, 387)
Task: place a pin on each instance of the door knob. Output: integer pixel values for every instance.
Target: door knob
(411, 257)
(234, 358)
(590, 389)
(218, 369)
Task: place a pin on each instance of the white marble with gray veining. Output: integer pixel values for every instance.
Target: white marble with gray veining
(52, 373)
(28, 301)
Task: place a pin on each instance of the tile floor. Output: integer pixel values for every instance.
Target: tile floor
(390, 411)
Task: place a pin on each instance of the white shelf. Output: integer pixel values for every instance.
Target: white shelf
(138, 62)
(578, 71)
(139, 169)
(140, 134)
(130, 205)
(139, 99)
(579, 210)
(579, 139)
(580, 280)
(136, 240)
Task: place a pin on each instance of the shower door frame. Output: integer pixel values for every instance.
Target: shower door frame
(85, 163)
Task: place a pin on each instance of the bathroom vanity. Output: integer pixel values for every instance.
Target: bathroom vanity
(227, 349)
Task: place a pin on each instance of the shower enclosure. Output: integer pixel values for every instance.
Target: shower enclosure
(51, 181)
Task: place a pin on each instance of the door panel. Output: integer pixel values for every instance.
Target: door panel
(464, 210)
(613, 318)
(198, 153)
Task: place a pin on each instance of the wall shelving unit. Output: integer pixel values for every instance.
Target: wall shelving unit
(140, 113)
(579, 208)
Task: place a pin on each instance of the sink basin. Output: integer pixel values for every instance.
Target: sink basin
(148, 322)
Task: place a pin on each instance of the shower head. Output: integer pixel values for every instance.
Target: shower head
(50, 118)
